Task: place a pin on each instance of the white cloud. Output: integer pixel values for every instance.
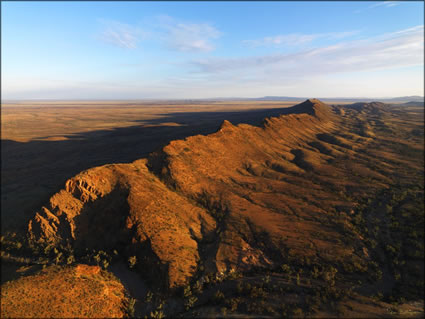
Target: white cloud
(187, 36)
(175, 35)
(295, 39)
(387, 4)
(192, 37)
(122, 35)
(398, 49)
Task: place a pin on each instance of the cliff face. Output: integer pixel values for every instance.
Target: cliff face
(240, 198)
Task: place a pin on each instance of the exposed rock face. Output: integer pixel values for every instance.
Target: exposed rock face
(118, 205)
(240, 198)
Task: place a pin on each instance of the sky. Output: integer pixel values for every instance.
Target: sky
(191, 50)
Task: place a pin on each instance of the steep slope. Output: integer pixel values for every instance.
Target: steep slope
(253, 178)
(243, 198)
(125, 207)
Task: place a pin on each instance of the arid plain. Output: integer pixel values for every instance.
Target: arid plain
(45, 143)
(212, 209)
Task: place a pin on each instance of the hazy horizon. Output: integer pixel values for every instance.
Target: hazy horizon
(191, 50)
(213, 98)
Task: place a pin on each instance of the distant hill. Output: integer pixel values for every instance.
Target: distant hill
(413, 98)
(414, 103)
(401, 99)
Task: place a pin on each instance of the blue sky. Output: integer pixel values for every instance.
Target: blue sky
(165, 50)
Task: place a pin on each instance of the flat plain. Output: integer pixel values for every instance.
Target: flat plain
(45, 143)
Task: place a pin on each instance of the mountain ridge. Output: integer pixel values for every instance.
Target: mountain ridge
(62, 219)
(117, 190)
(243, 198)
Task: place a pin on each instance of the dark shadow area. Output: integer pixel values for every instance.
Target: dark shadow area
(33, 171)
(93, 230)
(132, 282)
(12, 271)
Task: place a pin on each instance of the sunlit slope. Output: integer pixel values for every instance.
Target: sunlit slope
(71, 292)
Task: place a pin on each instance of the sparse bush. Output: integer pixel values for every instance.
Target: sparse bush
(224, 311)
(233, 274)
(70, 259)
(97, 258)
(286, 269)
(131, 302)
(197, 287)
(187, 292)
(218, 296)
(247, 287)
(239, 287)
(298, 312)
(157, 314)
(329, 275)
(233, 304)
(132, 261)
(315, 273)
(105, 264)
(58, 257)
(257, 292)
(190, 302)
(298, 279)
(149, 296)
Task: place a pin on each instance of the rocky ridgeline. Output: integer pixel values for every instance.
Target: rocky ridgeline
(229, 200)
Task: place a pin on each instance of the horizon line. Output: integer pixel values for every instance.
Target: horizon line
(277, 97)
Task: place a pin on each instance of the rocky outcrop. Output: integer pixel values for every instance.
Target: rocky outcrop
(121, 206)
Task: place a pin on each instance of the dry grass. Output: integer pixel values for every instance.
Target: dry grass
(71, 292)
